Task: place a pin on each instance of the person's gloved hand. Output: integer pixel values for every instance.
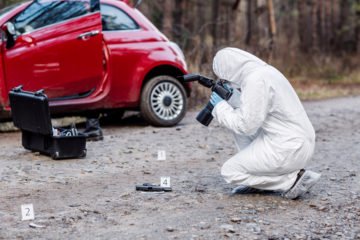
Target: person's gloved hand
(215, 99)
(227, 87)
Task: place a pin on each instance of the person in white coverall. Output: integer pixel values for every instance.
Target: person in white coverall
(273, 134)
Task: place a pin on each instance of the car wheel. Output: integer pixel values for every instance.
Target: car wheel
(163, 101)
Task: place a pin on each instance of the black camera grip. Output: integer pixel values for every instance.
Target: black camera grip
(222, 91)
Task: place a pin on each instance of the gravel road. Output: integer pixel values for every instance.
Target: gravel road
(95, 197)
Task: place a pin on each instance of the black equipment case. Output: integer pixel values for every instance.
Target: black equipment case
(30, 112)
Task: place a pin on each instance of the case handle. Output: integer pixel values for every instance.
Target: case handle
(39, 93)
(18, 88)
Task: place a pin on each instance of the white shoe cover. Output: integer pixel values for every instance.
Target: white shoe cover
(242, 189)
(306, 181)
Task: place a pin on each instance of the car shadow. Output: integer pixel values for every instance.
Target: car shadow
(127, 120)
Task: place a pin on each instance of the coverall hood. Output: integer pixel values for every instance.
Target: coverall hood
(234, 65)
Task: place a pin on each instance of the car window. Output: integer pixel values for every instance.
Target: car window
(43, 13)
(114, 19)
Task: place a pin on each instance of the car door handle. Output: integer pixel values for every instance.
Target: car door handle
(87, 35)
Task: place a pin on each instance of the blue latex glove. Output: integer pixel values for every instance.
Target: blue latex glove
(215, 99)
(227, 87)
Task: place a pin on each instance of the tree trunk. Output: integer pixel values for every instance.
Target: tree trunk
(188, 17)
(236, 5)
(328, 27)
(249, 22)
(272, 23)
(357, 26)
(215, 21)
(320, 24)
(235, 27)
(178, 21)
(252, 23)
(228, 21)
(344, 31)
(303, 26)
(168, 18)
(314, 25)
(201, 29)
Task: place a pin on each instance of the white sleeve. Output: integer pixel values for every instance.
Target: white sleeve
(253, 109)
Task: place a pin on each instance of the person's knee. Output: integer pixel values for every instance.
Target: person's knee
(230, 171)
(225, 169)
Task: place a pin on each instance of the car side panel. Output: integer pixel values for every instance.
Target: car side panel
(132, 56)
(52, 58)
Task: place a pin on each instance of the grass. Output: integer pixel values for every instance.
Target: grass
(325, 91)
(329, 86)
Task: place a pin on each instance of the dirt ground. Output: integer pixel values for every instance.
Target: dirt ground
(95, 197)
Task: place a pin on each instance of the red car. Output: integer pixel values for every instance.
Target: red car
(90, 60)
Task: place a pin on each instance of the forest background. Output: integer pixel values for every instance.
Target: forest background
(315, 43)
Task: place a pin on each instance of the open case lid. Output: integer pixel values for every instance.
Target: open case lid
(30, 111)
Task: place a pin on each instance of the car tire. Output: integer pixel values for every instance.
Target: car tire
(163, 101)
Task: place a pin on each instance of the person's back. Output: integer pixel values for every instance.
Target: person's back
(293, 112)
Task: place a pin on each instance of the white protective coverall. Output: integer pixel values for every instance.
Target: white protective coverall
(273, 133)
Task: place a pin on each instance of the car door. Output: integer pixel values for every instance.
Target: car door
(58, 48)
(128, 46)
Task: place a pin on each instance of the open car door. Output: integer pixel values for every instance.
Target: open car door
(57, 47)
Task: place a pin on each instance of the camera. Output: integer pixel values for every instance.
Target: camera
(205, 117)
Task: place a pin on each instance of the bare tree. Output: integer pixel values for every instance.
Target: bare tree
(304, 26)
(252, 23)
(178, 20)
(167, 17)
(357, 28)
(314, 25)
(272, 23)
(215, 20)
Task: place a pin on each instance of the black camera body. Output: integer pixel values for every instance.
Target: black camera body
(205, 117)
